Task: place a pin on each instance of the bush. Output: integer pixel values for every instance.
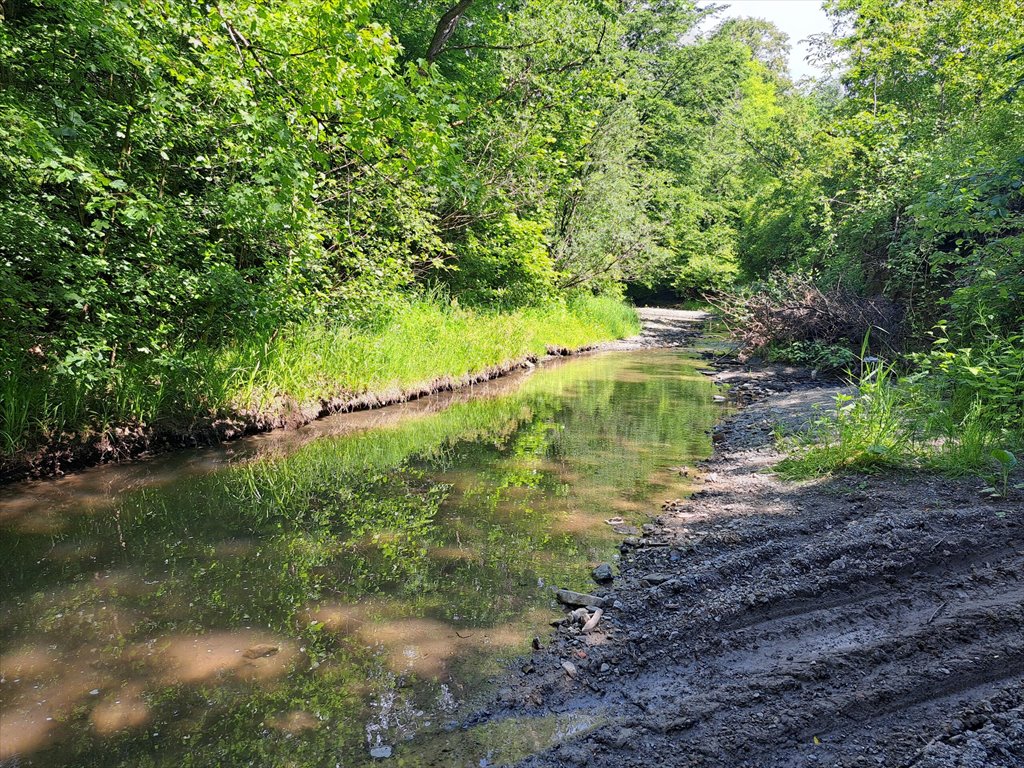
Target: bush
(988, 376)
(815, 354)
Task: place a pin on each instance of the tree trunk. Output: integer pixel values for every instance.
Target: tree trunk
(446, 28)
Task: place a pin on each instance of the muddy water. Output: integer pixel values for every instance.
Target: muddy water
(336, 595)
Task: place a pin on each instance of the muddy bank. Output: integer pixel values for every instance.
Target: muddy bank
(662, 328)
(854, 621)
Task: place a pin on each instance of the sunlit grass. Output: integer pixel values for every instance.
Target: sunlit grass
(889, 423)
(293, 368)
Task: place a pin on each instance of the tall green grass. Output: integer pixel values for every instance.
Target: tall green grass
(290, 367)
(864, 431)
(950, 415)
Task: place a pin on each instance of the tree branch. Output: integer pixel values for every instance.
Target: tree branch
(477, 46)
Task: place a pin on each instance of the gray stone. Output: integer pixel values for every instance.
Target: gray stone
(568, 597)
(603, 573)
(657, 578)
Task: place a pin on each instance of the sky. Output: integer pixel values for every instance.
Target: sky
(797, 18)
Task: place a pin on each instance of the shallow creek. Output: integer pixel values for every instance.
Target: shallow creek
(337, 595)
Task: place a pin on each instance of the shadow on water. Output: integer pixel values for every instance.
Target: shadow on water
(324, 596)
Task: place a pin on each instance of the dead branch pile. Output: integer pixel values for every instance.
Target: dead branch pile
(790, 308)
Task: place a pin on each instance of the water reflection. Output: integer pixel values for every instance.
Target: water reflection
(322, 597)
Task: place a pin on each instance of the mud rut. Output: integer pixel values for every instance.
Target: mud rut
(864, 621)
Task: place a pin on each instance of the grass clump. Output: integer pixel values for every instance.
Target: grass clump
(865, 431)
(959, 411)
(281, 369)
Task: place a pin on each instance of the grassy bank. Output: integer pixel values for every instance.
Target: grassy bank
(288, 369)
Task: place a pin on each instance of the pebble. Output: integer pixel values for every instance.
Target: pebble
(657, 578)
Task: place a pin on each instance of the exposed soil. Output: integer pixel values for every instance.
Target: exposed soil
(853, 621)
(662, 328)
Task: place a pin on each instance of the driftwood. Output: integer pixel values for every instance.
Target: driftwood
(592, 622)
(793, 308)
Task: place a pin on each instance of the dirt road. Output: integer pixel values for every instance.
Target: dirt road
(856, 621)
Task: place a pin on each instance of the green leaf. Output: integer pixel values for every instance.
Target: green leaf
(1006, 459)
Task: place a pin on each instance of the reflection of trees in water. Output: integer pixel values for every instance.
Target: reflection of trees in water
(383, 562)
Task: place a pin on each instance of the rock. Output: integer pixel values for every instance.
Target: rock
(260, 651)
(718, 399)
(623, 737)
(626, 530)
(536, 643)
(579, 616)
(838, 566)
(603, 574)
(568, 597)
(570, 669)
(657, 578)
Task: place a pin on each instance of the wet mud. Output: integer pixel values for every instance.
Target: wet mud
(851, 621)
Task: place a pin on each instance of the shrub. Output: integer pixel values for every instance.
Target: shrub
(988, 376)
(815, 354)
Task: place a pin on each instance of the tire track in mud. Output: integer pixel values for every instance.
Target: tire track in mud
(872, 621)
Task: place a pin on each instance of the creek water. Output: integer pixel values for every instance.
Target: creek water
(337, 595)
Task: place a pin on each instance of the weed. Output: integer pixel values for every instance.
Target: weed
(1006, 461)
(959, 411)
(864, 432)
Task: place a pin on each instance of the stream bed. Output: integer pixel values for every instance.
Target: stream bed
(337, 595)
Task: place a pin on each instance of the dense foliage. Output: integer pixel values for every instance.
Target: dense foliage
(185, 179)
(181, 178)
(897, 182)
(906, 171)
